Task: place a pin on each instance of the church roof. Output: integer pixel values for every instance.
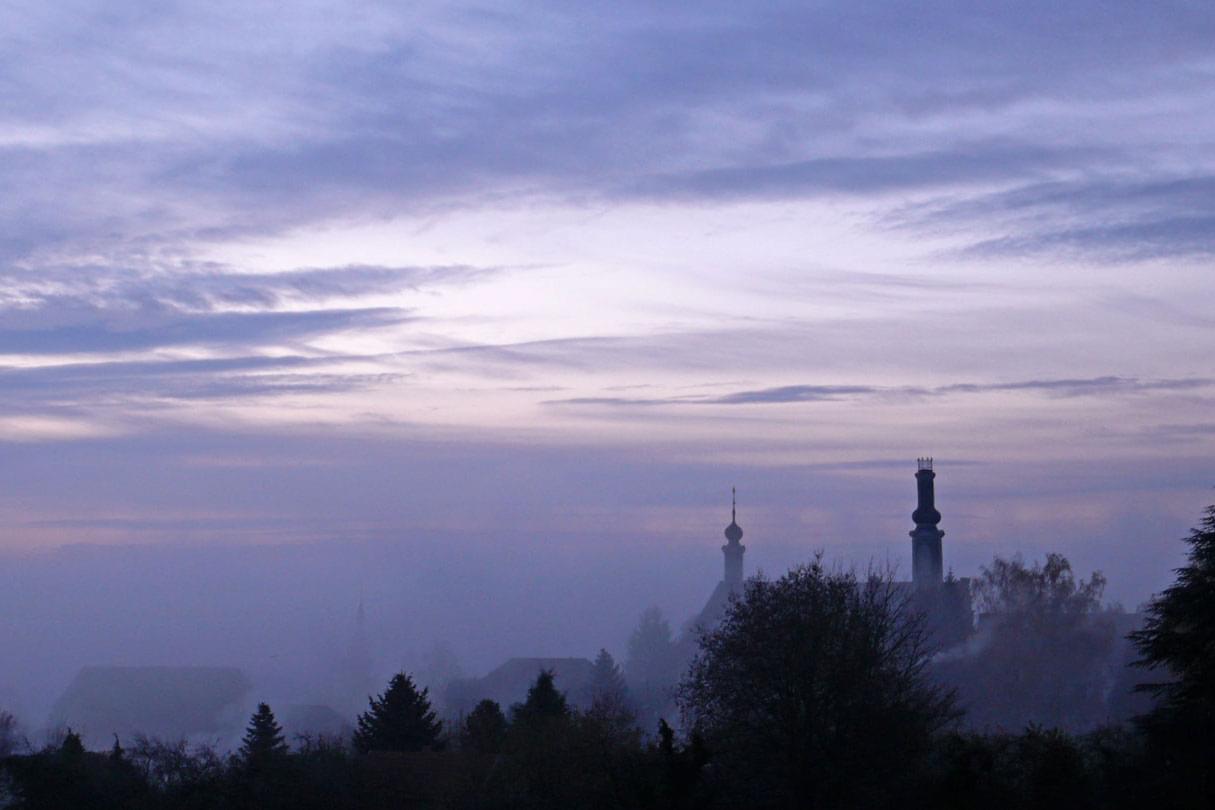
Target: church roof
(166, 702)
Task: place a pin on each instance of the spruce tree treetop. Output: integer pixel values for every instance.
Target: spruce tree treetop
(72, 746)
(264, 740)
(401, 719)
(543, 701)
(652, 659)
(606, 690)
(484, 728)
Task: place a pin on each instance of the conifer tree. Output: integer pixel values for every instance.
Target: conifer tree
(543, 702)
(1178, 640)
(72, 748)
(484, 729)
(264, 740)
(653, 661)
(606, 690)
(401, 719)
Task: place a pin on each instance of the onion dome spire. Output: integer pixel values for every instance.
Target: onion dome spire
(734, 532)
(733, 550)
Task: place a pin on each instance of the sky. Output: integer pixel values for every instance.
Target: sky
(538, 283)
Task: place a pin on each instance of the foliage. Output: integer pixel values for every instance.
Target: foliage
(1039, 768)
(543, 703)
(401, 719)
(556, 757)
(1043, 592)
(606, 690)
(181, 775)
(1178, 641)
(1044, 650)
(652, 655)
(680, 782)
(264, 741)
(812, 691)
(1178, 635)
(652, 666)
(11, 739)
(484, 730)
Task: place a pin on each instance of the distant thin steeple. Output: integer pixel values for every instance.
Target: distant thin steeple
(733, 549)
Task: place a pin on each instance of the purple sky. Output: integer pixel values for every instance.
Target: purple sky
(557, 275)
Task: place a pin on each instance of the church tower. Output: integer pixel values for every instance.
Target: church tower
(927, 568)
(733, 549)
(732, 582)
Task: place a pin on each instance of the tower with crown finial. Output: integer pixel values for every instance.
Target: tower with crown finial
(733, 549)
(926, 559)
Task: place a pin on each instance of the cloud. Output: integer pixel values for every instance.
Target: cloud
(209, 287)
(100, 309)
(1082, 387)
(859, 175)
(246, 119)
(90, 330)
(1094, 386)
(84, 384)
(1102, 216)
(795, 393)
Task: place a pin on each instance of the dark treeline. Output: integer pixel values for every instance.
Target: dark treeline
(820, 689)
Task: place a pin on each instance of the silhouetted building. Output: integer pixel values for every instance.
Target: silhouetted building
(927, 566)
(732, 577)
(312, 720)
(945, 601)
(172, 703)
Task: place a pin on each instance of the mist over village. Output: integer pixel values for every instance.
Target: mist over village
(569, 405)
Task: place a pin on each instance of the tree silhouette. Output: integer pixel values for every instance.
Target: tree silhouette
(652, 662)
(264, 741)
(1178, 635)
(484, 729)
(543, 701)
(72, 747)
(812, 692)
(401, 719)
(1178, 641)
(653, 666)
(10, 735)
(605, 687)
(1047, 652)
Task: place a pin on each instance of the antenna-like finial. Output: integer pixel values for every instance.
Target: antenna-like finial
(733, 505)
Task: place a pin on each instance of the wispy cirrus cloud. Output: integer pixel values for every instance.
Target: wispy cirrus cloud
(77, 385)
(277, 120)
(961, 165)
(78, 330)
(72, 310)
(787, 394)
(1103, 216)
